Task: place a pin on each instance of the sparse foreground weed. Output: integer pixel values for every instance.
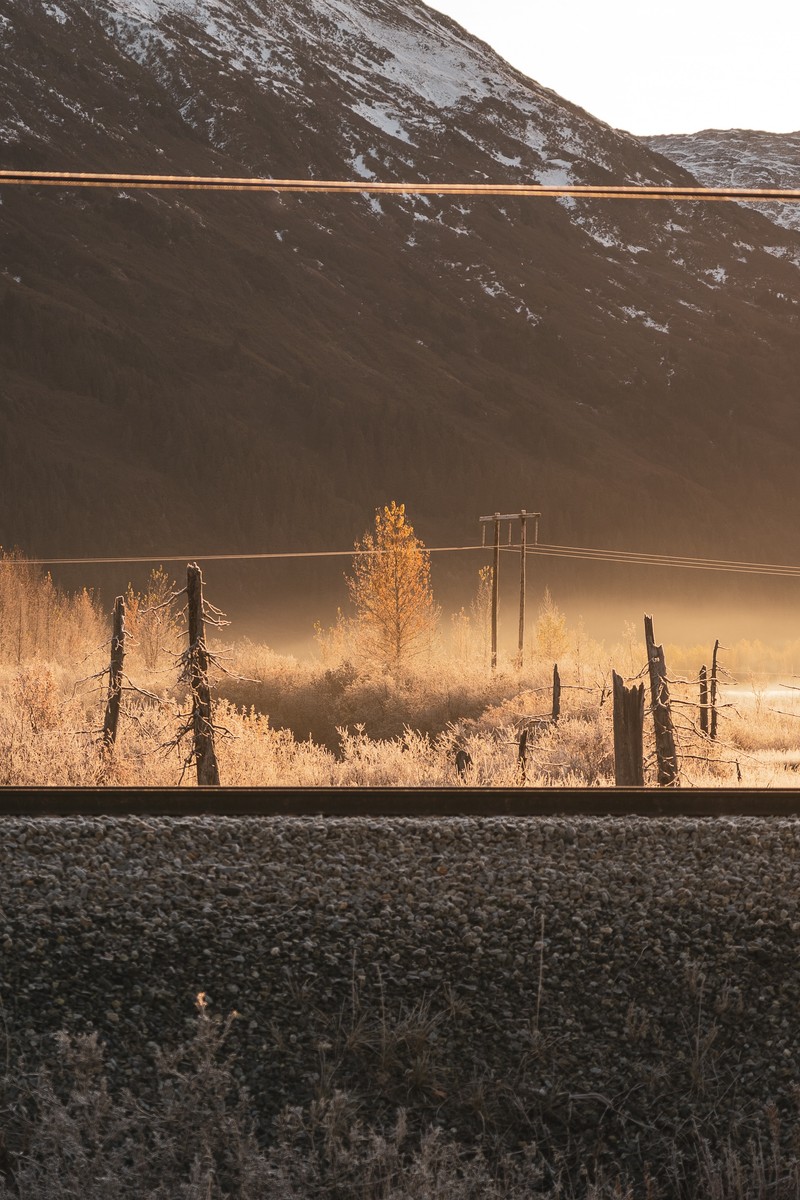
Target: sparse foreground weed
(194, 1134)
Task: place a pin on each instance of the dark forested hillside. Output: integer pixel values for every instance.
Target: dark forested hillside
(259, 372)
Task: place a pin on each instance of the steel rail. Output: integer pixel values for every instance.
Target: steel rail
(122, 180)
(376, 802)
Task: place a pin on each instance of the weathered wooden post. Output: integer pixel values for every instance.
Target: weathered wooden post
(628, 733)
(523, 756)
(556, 694)
(713, 731)
(114, 700)
(204, 752)
(666, 753)
(703, 700)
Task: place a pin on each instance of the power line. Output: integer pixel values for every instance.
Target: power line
(582, 553)
(635, 558)
(102, 179)
(173, 558)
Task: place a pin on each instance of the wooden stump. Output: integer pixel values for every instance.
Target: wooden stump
(556, 693)
(628, 733)
(463, 763)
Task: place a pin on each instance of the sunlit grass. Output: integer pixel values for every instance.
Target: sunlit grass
(288, 723)
(339, 718)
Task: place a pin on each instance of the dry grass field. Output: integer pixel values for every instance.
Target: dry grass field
(332, 720)
(343, 718)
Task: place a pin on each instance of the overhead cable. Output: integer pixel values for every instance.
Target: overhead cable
(125, 181)
(172, 558)
(634, 558)
(582, 553)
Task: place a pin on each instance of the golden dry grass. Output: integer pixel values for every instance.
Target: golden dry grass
(369, 730)
(337, 719)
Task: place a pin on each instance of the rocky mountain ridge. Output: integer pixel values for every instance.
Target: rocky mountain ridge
(739, 158)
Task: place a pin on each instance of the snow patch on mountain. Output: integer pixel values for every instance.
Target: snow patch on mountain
(555, 174)
(360, 167)
(382, 118)
(605, 234)
(638, 314)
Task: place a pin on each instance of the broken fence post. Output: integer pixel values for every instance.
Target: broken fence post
(628, 733)
(713, 730)
(703, 700)
(666, 753)
(463, 762)
(556, 694)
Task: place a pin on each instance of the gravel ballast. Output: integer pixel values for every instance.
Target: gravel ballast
(609, 984)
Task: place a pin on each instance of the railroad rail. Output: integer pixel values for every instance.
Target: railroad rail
(434, 802)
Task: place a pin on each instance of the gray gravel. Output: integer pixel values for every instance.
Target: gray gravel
(668, 964)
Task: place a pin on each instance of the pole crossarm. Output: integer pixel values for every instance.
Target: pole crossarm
(509, 516)
(120, 180)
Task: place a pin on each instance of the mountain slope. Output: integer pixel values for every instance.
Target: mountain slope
(258, 371)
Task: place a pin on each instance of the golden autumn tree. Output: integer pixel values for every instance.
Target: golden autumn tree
(151, 617)
(390, 588)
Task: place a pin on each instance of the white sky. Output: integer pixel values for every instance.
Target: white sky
(653, 66)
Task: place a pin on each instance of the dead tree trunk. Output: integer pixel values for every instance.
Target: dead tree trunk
(556, 694)
(713, 732)
(204, 752)
(523, 756)
(662, 713)
(628, 733)
(703, 700)
(114, 700)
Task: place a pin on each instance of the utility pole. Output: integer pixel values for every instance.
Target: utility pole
(496, 519)
(495, 588)
(523, 546)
